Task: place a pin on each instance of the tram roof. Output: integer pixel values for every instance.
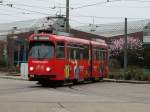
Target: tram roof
(78, 40)
(73, 39)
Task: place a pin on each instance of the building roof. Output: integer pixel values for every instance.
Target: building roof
(115, 29)
(27, 25)
(4, 27)
(31, 25)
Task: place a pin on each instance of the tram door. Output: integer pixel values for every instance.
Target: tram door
(98, 62)
(78, 56)
(73, 57)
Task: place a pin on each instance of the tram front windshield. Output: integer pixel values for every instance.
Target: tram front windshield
(41, 50)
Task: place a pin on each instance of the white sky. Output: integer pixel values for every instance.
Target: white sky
(114, 11)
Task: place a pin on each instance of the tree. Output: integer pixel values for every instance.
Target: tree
(147, 56)
(134, 48)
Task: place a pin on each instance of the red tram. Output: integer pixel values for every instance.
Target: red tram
(60, 58)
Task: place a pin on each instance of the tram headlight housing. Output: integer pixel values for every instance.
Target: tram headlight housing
(31, 68)
(48, 69)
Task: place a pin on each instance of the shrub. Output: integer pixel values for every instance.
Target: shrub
(133, 73)
(114, 64)
(128, 75)
(145, 78)
(2, 63)
(115, 74)
(110, 76)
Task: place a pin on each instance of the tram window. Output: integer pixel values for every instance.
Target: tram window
(73, 53)
(105, 56)
(78, 52)
(60, 50)
(86, 52)
(100, 55)
(96, 54)
(83, 52)
(81, 55)
(41, 50)
(69, 52)
(74, 56)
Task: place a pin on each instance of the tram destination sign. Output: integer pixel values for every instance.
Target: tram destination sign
(40, 38)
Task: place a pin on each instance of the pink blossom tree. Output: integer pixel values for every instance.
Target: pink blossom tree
(134, 47)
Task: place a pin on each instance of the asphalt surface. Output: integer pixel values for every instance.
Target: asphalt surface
(25, 96)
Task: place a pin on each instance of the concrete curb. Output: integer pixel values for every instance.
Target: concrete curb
(104, 80)
(126, 81)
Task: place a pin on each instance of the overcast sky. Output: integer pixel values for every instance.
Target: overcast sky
(98, 12)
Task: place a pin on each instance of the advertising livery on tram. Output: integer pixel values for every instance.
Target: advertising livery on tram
(60, 58)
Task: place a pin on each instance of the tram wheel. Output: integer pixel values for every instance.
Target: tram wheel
(75, 81)
(43, 83)
(101, 79)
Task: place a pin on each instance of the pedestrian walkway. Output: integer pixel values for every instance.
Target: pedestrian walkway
(15, 76)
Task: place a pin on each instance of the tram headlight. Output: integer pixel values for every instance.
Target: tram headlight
(31, 68)
(48, 69)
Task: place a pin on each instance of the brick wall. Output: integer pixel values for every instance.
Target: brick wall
(13, 45)
(85, 35)
(138, 35)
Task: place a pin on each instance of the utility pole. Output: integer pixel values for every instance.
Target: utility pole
(60, 11)
(93, 20)
(125, 46)
(67, 16)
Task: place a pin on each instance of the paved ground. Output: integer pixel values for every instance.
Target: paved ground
(25, 96)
